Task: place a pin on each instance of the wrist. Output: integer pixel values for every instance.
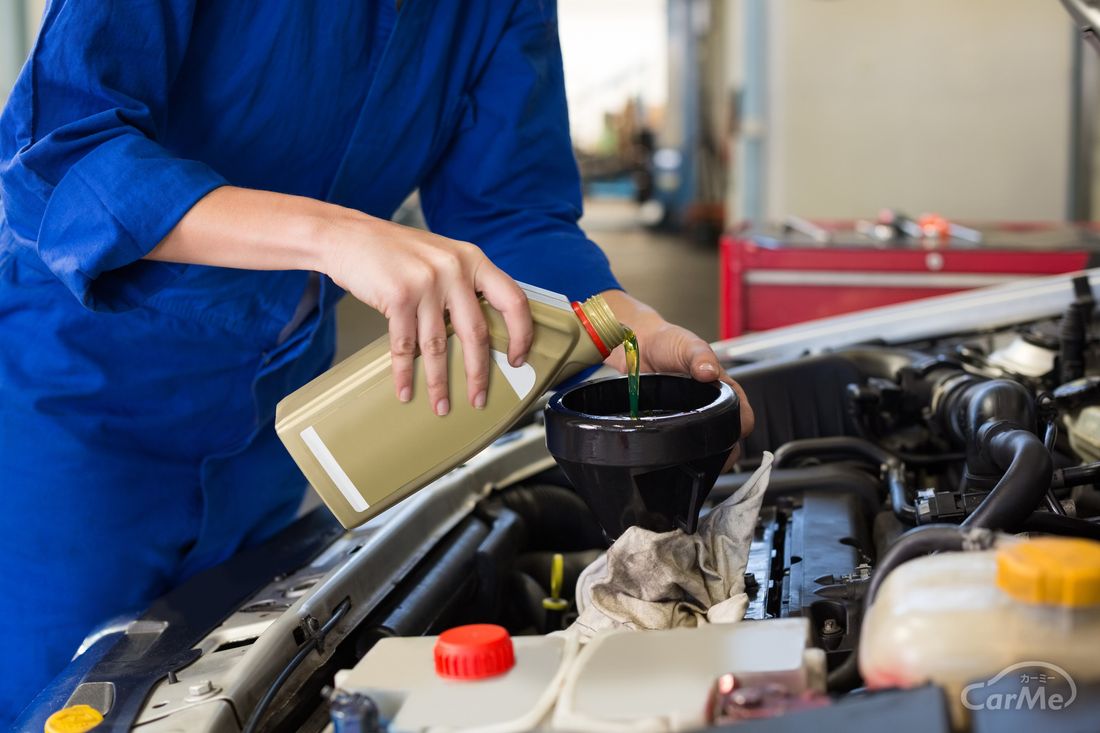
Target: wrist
(335, 233)
(632, 312)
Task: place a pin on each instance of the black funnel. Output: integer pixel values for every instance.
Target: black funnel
(656, 471)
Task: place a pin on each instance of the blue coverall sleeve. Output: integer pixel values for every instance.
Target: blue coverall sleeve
(508, 181)
(85, 184)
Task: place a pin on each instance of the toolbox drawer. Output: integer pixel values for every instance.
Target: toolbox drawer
(772, 278)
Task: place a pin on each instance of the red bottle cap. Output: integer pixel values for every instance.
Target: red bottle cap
(474, 652)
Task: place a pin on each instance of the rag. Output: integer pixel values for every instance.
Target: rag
(665, 580)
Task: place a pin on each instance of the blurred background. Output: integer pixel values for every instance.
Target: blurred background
(791, 125)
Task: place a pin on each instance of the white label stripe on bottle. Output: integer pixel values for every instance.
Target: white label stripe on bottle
(546, 297)
(332, 468)
(521, 378)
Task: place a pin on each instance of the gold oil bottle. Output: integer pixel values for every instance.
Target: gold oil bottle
(363, 450)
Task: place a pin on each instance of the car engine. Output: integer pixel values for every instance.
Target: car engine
(885, 450)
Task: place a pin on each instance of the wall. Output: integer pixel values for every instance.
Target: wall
(959, 107)
(19, 20)
(941, 105)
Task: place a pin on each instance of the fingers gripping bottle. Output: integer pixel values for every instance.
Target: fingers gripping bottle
(363, 450)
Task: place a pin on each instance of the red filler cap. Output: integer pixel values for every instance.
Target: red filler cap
(474, 652)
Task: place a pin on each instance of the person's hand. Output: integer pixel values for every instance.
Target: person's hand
(412, 277)
(666, 347)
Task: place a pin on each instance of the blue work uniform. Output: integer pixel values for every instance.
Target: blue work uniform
(137, 397)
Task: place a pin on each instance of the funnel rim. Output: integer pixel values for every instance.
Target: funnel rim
(651, 472)
(723, 392)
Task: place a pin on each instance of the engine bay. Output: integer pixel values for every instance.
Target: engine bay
(994, 430)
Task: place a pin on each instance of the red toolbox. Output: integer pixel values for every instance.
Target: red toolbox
(776, 277)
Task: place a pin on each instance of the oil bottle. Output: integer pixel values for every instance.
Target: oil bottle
(363, 450)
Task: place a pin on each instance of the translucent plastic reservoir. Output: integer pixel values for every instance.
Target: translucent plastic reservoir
(960, 618)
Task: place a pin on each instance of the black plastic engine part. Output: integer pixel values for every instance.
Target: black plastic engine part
(1075, 331)
(824, 545)
(797, 399)
(829, 478)
(949, 506)
(808, 558)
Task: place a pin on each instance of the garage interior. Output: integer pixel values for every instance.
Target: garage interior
(881, 215)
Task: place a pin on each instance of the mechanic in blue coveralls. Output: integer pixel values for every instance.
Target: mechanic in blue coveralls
(188, 188)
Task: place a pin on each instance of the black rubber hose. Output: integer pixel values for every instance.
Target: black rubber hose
(929, 459)
(530, 594)
(1050, 438)
(1076, 476)
(1027, 469)
(832, 478)
(846, 676)
(899, 493)
(924, 541)
(314, 642)
(556, 519)
(443, 581)
(838, 445)
(1058, 524)
(966, 403)
(857, 447)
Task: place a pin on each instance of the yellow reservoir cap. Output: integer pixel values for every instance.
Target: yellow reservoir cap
(1059, 571)
(73, 719)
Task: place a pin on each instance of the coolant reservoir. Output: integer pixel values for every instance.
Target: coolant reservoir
(964, 619)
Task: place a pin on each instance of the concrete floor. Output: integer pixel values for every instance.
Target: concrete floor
(673, 274)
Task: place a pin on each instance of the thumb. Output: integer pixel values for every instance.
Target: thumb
(700, 360)
(683, 352)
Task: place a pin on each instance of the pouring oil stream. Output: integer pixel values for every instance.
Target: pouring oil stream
(630, 346)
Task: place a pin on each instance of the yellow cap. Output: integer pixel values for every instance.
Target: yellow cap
(73, 719)
(557, 578)
(1054, 570)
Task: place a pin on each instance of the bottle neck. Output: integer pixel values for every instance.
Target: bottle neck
(600, 323)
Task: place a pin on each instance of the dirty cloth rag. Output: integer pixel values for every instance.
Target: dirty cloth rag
(665, 580)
